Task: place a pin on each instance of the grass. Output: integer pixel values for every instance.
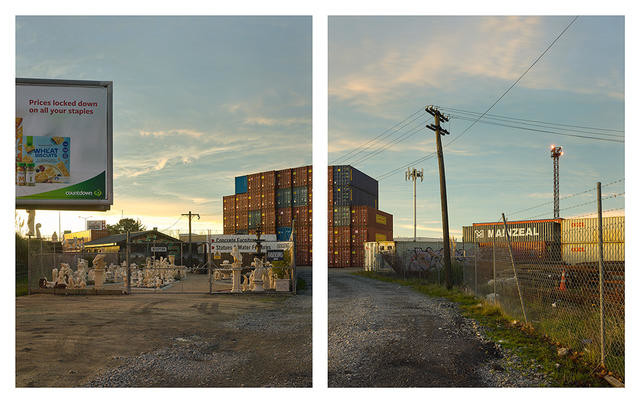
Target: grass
(301, 284)
(21, 287)
(570, 370)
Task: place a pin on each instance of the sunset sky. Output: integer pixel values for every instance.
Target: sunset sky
(197, 101)
(385, 69)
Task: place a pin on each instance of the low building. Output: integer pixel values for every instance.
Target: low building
(75, 241)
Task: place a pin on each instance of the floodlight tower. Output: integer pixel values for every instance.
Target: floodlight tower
(413, 175)
(556, 152)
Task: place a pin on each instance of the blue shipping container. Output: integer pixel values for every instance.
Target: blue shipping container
(241, 184)
(283, 233)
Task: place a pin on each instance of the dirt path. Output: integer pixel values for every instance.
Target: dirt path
(386, 335)
(163, 340)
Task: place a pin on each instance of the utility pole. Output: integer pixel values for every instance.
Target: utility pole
(556, 152)
(413, 175)
(438, 116)
(190, 214)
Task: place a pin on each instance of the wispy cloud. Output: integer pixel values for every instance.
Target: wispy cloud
(172, 132)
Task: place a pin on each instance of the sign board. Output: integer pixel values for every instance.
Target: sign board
(158, 249)
(246, 243)
(96, 224)
(275, 255)
(64, 144)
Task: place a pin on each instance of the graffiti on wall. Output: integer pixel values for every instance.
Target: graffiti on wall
(428, 259)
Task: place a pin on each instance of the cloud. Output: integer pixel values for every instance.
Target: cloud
(172, 132)
(265, 121)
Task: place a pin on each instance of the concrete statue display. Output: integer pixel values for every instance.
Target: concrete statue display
(98, 270)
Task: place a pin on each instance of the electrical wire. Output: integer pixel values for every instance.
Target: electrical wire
(362, 146)
(565, 197)
(542, 131)
(397, 140)
(494, 103)
(580, 205)
(538, 123)
(171, 226)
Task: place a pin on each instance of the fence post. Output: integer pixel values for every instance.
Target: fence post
(294, 285)
(127, 251)
(475, 272)
(601, 275)
(29, 265)
(515, 274)
(208, 252)
(495, 299)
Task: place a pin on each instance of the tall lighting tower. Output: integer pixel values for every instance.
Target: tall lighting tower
(556, 152)
(413, 175)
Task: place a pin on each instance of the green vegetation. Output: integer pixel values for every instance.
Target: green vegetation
(21, 265)
(124, 225)
(301, 284)
(570, 370)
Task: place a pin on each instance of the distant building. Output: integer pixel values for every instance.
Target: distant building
(75, 241)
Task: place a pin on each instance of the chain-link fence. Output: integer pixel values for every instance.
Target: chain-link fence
(570, 287)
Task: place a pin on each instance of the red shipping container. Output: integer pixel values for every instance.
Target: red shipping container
(283, 178)
(365, 216)
(342, 236)
(242, 202)
(255, 201)
(309, 175)
(283, 217)
(301, 215)
(268, 181)
(242, 220)
(254, 183)
(268, 200)
(268, 219)
(299, 176)
(330, 175)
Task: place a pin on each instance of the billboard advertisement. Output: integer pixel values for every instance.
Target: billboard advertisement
(63, 144)
(97, 224)
(245, 243)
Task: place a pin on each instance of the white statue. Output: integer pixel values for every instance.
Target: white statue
(54, 275)
(258, 275)
(38, 225)
(237, 256)
(54, 237)
(98, 270)
(31, 219)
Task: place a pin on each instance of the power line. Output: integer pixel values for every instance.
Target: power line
(500, 97)
(580, 205)
(171, 226)
(502, 117)
(362, 146)
(565, 197)
(541, 131)
(397, 140)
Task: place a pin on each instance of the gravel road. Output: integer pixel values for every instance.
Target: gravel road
(164, 340)
(386, 335)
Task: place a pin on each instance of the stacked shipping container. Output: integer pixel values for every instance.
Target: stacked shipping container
(273, 201)
(353, 216)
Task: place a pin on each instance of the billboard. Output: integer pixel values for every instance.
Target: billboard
(64, 144)
(97, 224)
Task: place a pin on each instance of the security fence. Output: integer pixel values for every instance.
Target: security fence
(571, 290)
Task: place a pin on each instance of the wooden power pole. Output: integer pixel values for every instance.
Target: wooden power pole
(438, 116)
(190, 214)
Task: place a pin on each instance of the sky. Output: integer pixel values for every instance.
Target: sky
(197, 101)
(385, 69)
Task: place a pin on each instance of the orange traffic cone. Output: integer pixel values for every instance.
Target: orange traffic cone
(562, 282)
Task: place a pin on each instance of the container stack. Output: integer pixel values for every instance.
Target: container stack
(353, 216)
(273, 201)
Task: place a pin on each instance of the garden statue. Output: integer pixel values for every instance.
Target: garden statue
(98, 270)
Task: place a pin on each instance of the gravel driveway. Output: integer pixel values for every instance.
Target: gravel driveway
(387, 335)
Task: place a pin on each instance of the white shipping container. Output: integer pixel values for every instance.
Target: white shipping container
(585, 230)
(573, 253)
(371, 256)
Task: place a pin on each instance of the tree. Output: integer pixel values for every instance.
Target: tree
(124, 225)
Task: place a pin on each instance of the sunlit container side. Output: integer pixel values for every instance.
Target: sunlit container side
(268, 181)
(575, 253)
(268, 221)
(283, 178)
(585, 230)
(255, 201)
(253, 183)
(518, 231)
(241, 184)
(283, 217)
(242, 202)
(268, 200)
(299, 176)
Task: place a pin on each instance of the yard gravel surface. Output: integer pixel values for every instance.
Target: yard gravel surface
(387, 335)
(162, 340)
